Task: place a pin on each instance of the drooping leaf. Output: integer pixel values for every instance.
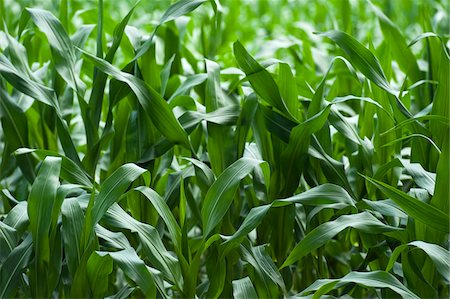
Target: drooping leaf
(261, 80)
(361, 57)
(113, 188)
(415, 208)
(152, 102)
(440, 256)
(375, 279)
(135, 269)
(62, 49)
(364, 222)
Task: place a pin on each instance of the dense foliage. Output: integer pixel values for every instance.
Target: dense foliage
(224, 148)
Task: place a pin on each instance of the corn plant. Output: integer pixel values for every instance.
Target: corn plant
(224, 148)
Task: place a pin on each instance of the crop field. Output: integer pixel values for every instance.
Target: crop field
(224, 149)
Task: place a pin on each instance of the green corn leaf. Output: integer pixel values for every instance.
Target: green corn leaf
(440, 257)
(164, 212)
(175, 11)
(44, 95)
(40, 203)
(364, 222)
(80, 37)
(26, 85)
(12, 268)
(165, 74)
(62, 49)
(220, 195)
(294, 155)
(115, 240)
(135, 269)
(98, 269)
(247, 113)
(17, 217)
(260, 78)
(214, 99)
(324, 195)
(18, 56)
(124, 292)
(70, 171)
(374, 279)
(153, 247)
(188, 84)
(361, 58)
(278, 124)
(8, 240)
(227, 115)
(288, 89)
(401, 52)
(72, 228)
(99, 83)
(243, 288)
(179, 9)
(152, 103)
(386, 207)
(113, 188)
(257, 161)
(441, 195)
(422, 178)
(415, 208)
(15, 130)
(264, 267)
